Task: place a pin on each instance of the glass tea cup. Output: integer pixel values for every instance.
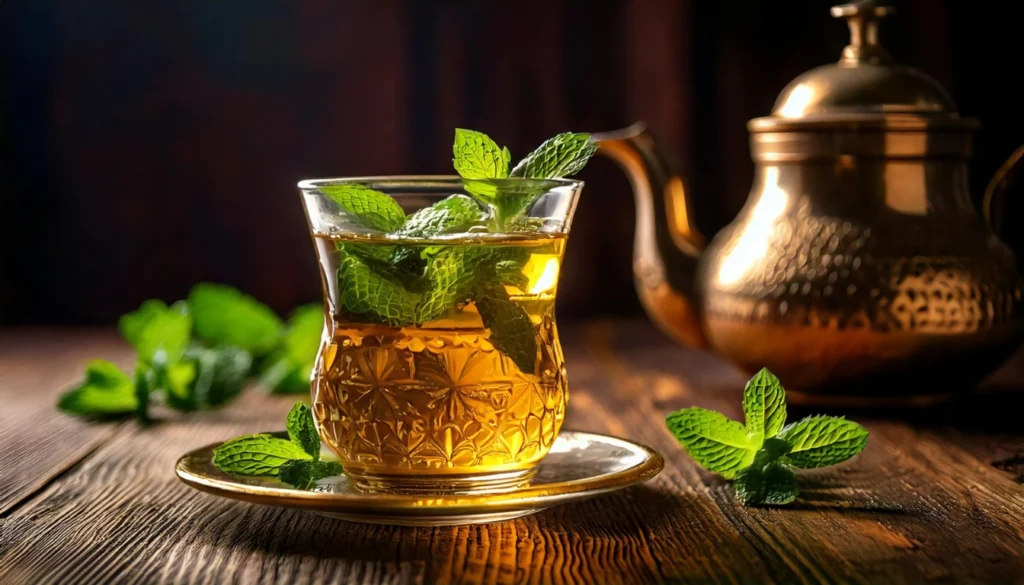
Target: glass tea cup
(440, 369)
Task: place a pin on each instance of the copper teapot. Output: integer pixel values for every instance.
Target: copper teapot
(858, 271)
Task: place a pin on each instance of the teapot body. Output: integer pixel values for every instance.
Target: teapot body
(861, 279)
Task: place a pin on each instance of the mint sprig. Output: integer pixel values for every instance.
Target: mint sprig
(367, 207)
(761, 454)
(561, 156)
(199, 354)
(295, 460)
(476, 156)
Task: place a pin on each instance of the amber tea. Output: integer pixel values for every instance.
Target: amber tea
(462, 379)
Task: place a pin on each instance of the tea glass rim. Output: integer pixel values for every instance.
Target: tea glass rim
(410, 182)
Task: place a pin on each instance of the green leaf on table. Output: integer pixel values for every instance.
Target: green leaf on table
(476, 156)
(144, 385)
(561, 156)
(771, 484)
(764, 405)
(714, 441)
(449, 213)
(512, 332)
(177, 381)
(370, 208)
(225, 316)
(290, 366)
(131, 324)
(819, 441)
(222, 373)
(302, 429)
(257, 455)
(303, 474)
(164, 338)
(375, 291)
(106, 392)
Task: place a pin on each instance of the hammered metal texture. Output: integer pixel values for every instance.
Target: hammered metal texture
(938, 274)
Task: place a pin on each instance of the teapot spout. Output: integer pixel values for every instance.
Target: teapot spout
(667, 244)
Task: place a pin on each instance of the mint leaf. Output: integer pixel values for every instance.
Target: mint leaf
(164, 338)
(176, 379)
(476, 156)
(558, 157)
(510, 272)
(143, 388)
(106, 392)
(714, 441)
(225, 316)
(369, 208)
(449, 213)
(290, 367)
(819, 441)
(131, 324)
(453, 275)
(221, 376)
(512, 332)
(302, 429)
(303, 474)
(375, 292)
(764, 405)
(507, 199)
(258, 455)
(772, 484)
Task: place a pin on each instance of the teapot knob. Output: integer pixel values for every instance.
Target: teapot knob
(863, 17)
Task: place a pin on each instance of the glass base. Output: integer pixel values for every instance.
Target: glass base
(427, 483)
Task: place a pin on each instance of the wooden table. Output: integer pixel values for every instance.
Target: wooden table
(936, 497)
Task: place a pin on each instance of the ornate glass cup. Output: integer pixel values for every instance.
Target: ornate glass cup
(440, 369)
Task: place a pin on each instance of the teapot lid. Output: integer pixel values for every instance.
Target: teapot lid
(865, 87)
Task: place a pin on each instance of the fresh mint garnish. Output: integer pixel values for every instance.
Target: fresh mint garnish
(225, 316)
(370, 208)
(476, 156)
(773, 484)
(760, 455)
(511, 329)
(221, 375)
(764, 405)
(198, 355)
(257, 455)
(132, 324)
(302, 429)
(106, 392)
(162, 341)
(449, 213)
(295, 460)
(375, 291)
(714, 441)
(561, 156)
(289, 368)
(303, 474)
(820, 441)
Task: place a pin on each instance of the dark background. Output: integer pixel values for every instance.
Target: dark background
(150, 145)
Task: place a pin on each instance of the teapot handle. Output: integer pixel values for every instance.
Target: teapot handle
(1005, 178)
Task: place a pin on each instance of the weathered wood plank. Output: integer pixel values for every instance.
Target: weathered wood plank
(36, 443)
(914, 507)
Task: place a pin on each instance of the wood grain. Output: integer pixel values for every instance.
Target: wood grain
(36, 443)
(915, 507)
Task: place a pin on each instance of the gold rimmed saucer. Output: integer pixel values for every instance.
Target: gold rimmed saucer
(579, 466)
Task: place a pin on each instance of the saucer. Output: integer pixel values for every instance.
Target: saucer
(579, 466)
